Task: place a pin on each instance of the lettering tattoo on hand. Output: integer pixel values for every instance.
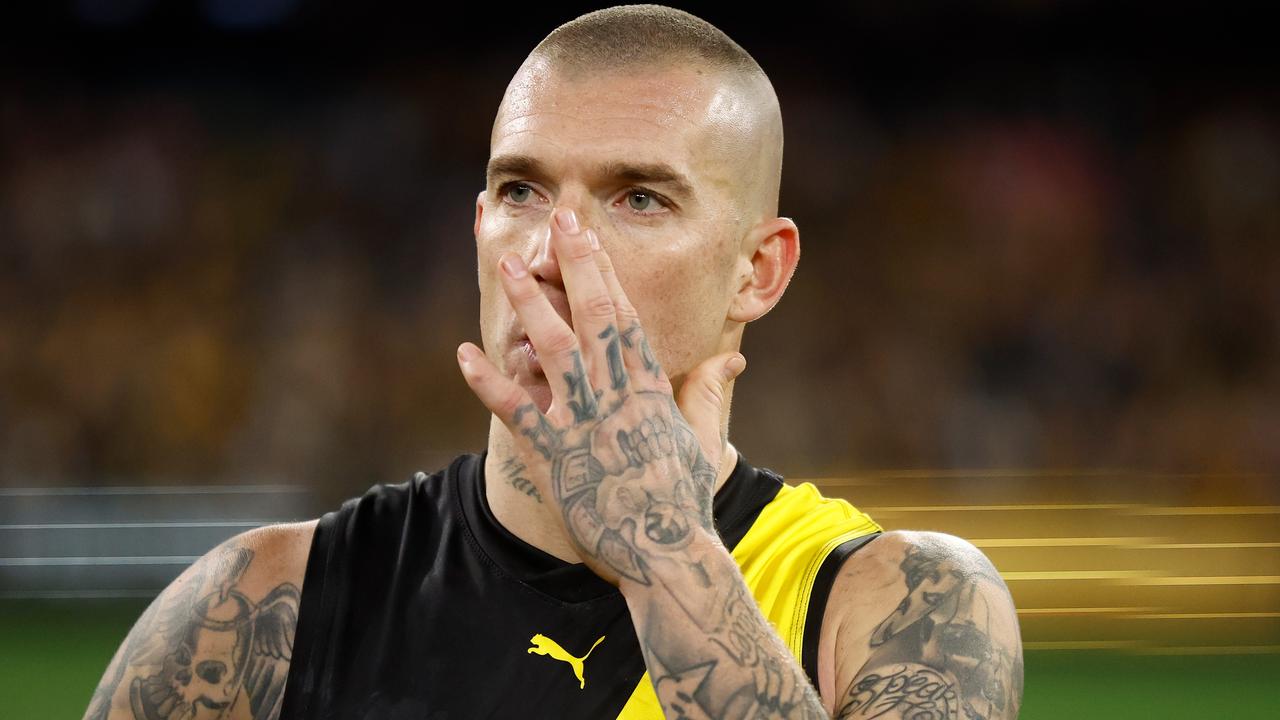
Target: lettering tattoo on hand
(635, 492)
(205, 648)
(585, 401)
(633, 336)
(628, 475)
(533, 425)
(617, 368)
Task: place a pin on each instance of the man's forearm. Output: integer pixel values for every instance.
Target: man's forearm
(709, 651)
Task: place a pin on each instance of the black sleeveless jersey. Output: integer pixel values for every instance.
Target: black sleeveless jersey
(417, 603)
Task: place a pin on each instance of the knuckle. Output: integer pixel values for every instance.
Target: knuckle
(599, 307)
(711, 392)
(524, 293)
(624, 309)
(562, 343)
(580, 251)
(511, 401)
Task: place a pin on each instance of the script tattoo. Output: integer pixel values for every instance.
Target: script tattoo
(533, 425)
(617, 368)
(910, 690)
(633, 336)
(205, 649)
(515, 471)
(584, 402)
(944, 651)
(628, 475)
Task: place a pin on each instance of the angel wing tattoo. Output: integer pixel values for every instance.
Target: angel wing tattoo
(208, 647)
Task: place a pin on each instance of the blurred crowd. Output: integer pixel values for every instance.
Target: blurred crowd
(243, 282)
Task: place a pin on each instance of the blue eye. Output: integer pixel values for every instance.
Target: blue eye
(644, 202)
(511, 189)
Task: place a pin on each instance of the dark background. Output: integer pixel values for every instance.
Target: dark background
(235, 237)
(1038, 304)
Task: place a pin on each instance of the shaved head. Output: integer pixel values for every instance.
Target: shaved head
(743, 137)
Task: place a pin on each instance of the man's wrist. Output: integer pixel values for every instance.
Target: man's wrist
(693, 566)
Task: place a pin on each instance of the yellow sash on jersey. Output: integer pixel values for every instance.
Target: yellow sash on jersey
(779, 558)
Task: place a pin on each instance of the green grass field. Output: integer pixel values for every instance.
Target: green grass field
(52, 654)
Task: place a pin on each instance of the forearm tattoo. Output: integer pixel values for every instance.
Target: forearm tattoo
(744, 671)
(947, 651)
(205, 649)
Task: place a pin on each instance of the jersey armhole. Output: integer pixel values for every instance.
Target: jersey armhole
(313, 608)
(818, 595)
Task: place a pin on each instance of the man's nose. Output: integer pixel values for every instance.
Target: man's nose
(545, 266)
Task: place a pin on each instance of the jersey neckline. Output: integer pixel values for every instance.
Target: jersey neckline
(735, 507)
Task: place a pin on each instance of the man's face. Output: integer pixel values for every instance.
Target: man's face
(673, 240)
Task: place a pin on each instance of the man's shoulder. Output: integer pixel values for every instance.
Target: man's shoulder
(394, 496)
(912, 579)
(898, 564)
(279, 552)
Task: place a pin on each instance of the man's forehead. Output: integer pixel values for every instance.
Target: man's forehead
(683, 118)
(664, 95)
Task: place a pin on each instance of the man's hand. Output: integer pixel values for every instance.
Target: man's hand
(632, 478)
(633, 474)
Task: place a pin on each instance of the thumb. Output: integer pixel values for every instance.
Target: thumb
(702, 399)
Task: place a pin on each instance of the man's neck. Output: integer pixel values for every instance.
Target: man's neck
(518, 506)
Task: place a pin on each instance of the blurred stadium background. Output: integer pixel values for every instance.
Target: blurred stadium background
(1039, 304)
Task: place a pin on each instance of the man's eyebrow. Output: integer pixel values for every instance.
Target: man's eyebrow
(512, 165)
(649, 174)
(633, 172)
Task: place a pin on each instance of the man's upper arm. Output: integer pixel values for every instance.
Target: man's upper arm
(220, 636)
(924, 627)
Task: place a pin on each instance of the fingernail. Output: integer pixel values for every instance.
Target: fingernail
(734, 367)
(567, 219)
(593, 239)
(467, 352)
(513, 266)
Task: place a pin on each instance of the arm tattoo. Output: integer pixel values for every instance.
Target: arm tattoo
(939, 654)
(205, 649)
(747, 673)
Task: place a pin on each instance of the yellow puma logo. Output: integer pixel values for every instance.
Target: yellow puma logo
(544, 645)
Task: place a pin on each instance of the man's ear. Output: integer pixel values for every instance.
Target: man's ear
(475, 229)
(768, 259)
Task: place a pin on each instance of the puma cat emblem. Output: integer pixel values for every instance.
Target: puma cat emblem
(544, 645)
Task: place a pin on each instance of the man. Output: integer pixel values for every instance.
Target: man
(611, 554)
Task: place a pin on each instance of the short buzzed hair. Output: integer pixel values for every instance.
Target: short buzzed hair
(626, 37)
(629, 35)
